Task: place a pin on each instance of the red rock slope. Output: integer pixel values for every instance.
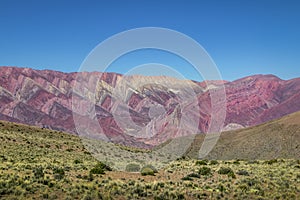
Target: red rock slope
(152, 105)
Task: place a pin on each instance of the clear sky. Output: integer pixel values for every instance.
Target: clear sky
(243, 37)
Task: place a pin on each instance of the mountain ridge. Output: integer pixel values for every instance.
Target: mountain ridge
(44, 98)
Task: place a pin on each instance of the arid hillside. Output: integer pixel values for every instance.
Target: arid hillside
(275, 139)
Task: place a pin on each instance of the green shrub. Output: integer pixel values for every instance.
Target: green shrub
(270, 162)
(38, 172)
(201, 162)
(152, 167)
(100, 168)
(204, 171)
(250, 182)
(147, 171)
(243, 172)
(50, 184)
(221, 188)
(225, 170)
(90, 177)
(97, 170)
(187, 178)
(213, 162)
(132, 167)
(228, 171)
(236, 162)
(231, 174)
(59, 173)
(104, 166)
(77, 161)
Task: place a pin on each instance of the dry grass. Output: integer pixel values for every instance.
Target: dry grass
(275, 139)
(42, 164)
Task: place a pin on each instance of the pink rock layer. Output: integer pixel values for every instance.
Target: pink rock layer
(152, 105)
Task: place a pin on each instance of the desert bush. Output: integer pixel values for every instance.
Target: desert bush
(133, 167)
(90, 177)
(204, 171)
(231, 174)
(147, 171)
(97, 170)
(270, 162)
(228, 171)
(100, 168)
(201, 162)
(50, 184)
(221, 188)
(236, 162)
(187, 178)
(250, 182)
(152, 167)
(38, 172)
(243, 172)
(77, 161)
(225, 170)
(213, 162)
(104, 166)
(59, 173)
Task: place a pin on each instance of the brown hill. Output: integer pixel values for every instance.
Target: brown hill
(275, 139)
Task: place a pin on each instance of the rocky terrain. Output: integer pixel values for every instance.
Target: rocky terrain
(139, 110)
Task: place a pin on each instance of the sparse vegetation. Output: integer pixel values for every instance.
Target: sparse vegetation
(30, 170)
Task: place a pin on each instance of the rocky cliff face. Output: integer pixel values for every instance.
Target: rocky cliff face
(156, 108)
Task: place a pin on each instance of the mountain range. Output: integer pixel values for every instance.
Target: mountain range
(157, 108)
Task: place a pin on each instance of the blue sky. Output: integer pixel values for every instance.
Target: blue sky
(242, 37)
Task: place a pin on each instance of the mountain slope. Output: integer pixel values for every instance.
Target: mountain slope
(163, 107)
(275, 139)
